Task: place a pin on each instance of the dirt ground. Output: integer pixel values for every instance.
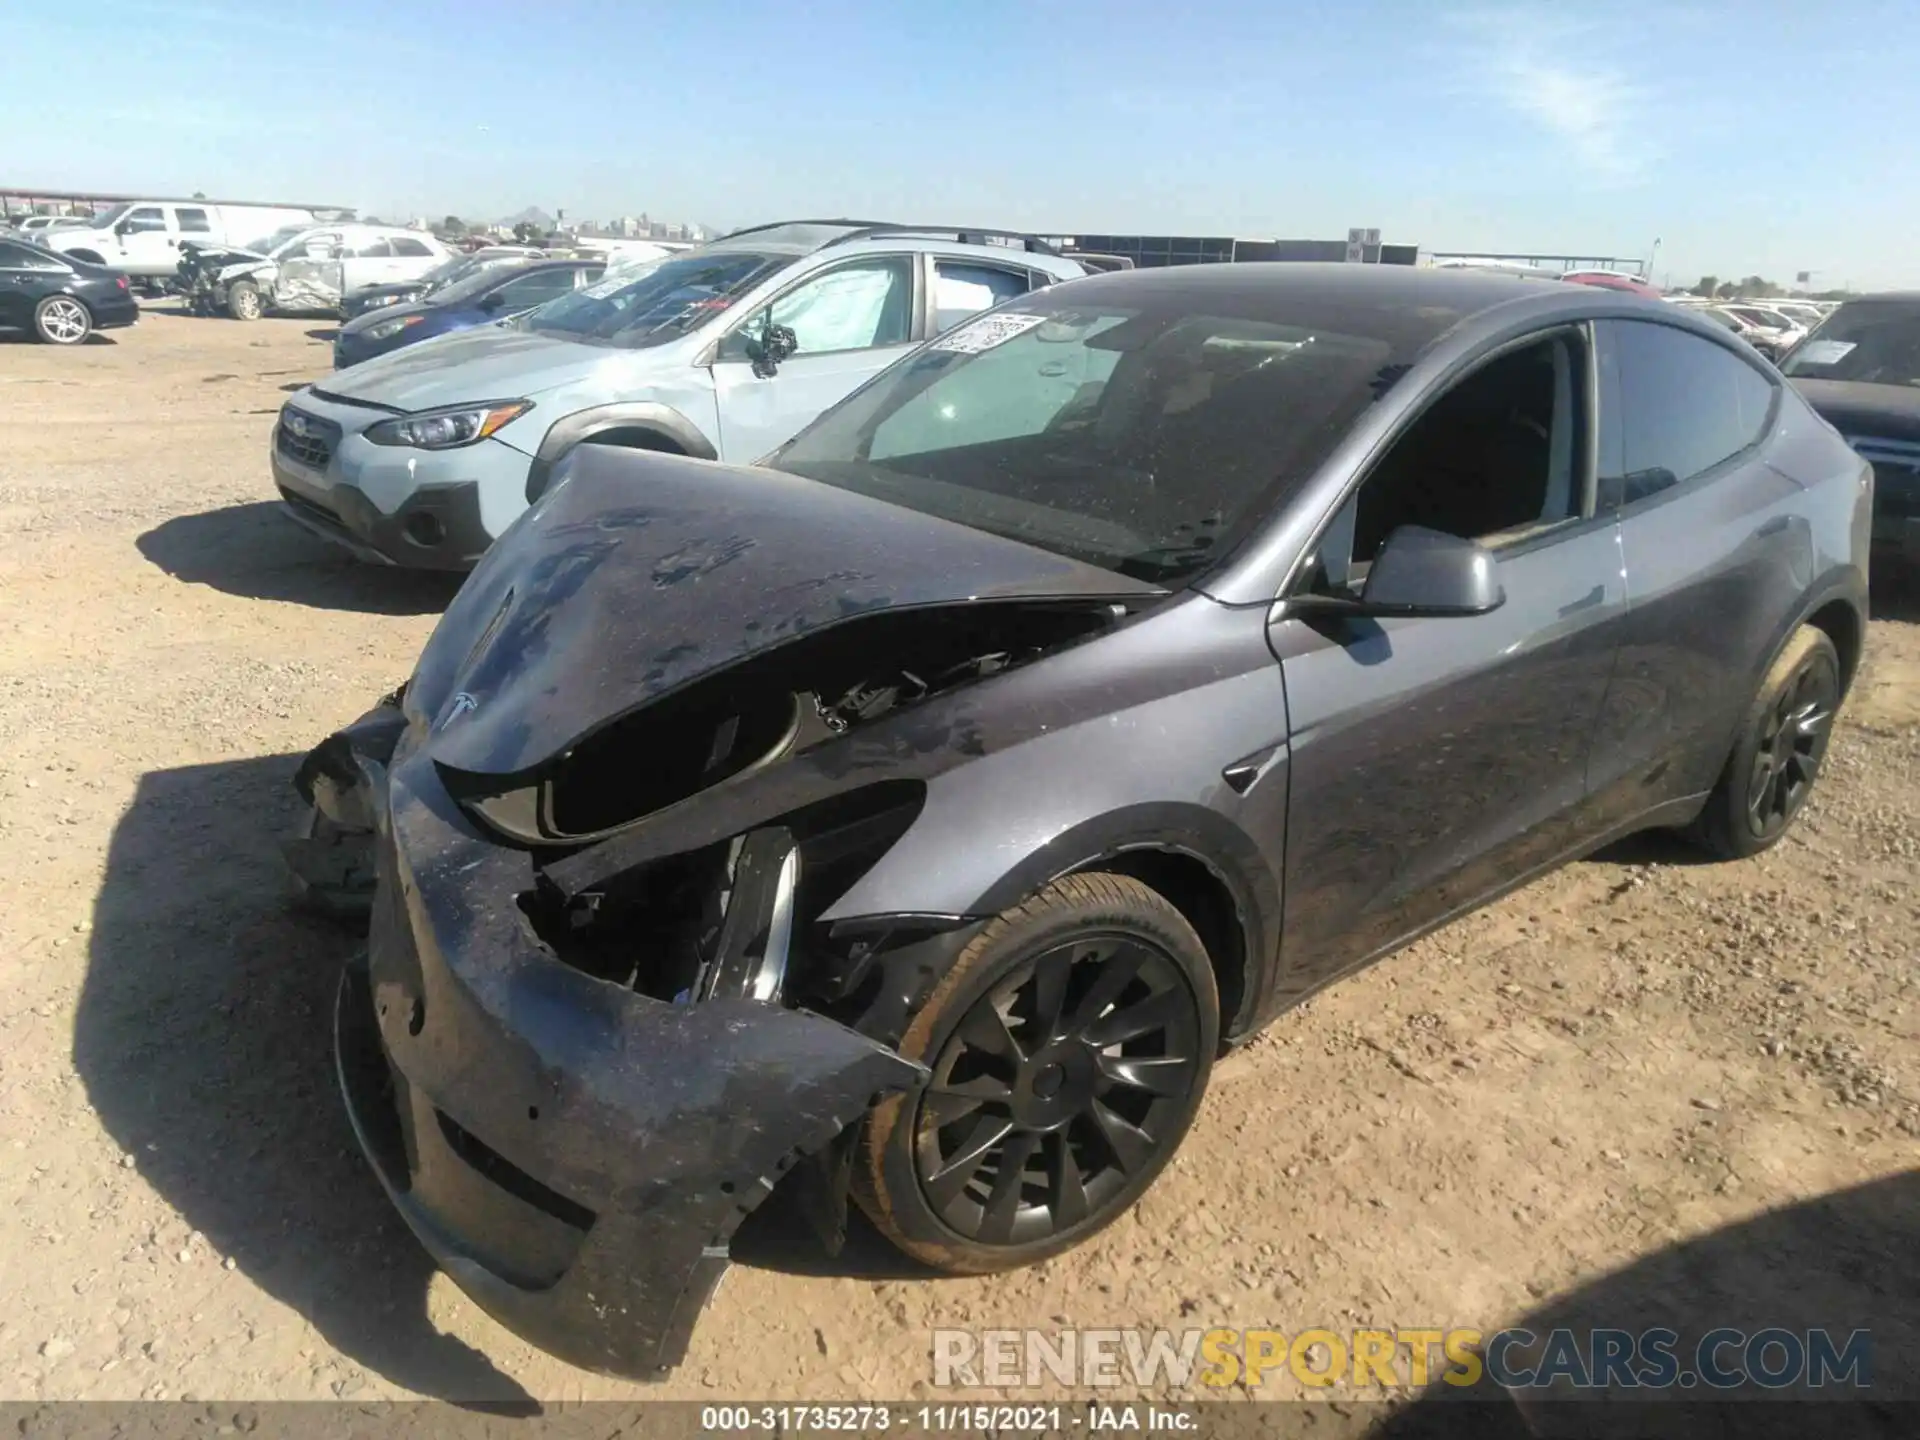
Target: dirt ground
(1639, 1051)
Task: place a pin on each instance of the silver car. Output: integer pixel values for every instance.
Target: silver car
(422, 458)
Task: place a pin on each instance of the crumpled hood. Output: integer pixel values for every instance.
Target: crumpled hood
(643, 572)
(1860, 410)
(491, 362)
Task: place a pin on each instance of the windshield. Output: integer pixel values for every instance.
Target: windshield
(1871, 342)
(459, 275)
(1147, 441)
(267, 244)
(483, 277)
(659, 300)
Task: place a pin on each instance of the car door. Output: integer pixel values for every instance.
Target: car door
(1713, 551)
(1434, 761)
(848, 321)
(411, 258)
(365, 260)
(147, 242)
(25, 277)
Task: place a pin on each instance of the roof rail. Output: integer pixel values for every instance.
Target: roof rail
(962, 234)
(783, 224)
(874, 229)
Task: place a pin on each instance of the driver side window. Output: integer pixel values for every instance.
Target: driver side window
(1500, 458)
(858, 306)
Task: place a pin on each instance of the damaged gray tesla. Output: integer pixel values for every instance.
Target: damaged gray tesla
(915, 818)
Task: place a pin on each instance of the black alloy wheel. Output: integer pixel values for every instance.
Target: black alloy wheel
(1792, 743)
(1777, 755)
(1068, 1054)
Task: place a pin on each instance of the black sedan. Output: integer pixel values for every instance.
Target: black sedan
(497, 292)
(915, 818)
(59, 299)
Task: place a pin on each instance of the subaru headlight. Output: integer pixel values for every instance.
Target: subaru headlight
(449, 428)
(387, 329)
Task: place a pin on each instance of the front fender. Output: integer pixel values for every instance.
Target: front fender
(568, 431)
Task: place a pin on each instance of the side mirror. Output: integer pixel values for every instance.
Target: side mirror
(774, 344)
(1420, 572)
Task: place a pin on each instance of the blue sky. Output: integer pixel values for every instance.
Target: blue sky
(1763, 137)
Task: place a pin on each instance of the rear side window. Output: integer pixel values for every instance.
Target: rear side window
(961, 289)
(535, 289)
(25, 257)
(375, 248)
(1681, 404)
(412, 249)
(192, 222)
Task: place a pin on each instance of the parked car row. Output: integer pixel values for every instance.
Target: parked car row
(491, 292)
(423, 457)
(916, 704)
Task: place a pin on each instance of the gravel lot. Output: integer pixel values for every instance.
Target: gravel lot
(1634, 1053)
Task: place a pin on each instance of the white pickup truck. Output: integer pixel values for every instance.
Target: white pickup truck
(143, 237)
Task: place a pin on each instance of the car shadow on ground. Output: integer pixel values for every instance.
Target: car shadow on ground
(24, 337)
(1896, 593)
(1842, 1263)
(778, 1237)
(255, 551)
(326, 335)
(203, 1038)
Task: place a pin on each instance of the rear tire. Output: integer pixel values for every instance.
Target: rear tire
(62, 320)
(1070, 1046)
(244, 301)
(1776, 759)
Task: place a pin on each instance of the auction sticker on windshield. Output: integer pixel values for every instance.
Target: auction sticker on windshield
(986, 332)
(1824, 352)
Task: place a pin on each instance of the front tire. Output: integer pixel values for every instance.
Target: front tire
(1777, 757)
(244, 301)
(62, 320)
(1070, 1046)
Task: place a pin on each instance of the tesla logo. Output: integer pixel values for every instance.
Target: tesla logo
(461, 704)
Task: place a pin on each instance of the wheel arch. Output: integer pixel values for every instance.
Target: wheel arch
(1845, 625)
(1205, 866)
(638, 425)
(1837, 606)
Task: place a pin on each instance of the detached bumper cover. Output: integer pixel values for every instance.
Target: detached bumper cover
(575, 1155)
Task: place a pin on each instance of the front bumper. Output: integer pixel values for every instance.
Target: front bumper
(113, 311)
(430, 510)
(574, 1154)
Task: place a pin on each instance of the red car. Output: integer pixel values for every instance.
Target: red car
(1612, 280)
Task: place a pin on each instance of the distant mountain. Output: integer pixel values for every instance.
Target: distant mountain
(533, 214)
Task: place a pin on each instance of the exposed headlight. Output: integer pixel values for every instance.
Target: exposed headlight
(450, 428)
(387, 329)
(379, 302)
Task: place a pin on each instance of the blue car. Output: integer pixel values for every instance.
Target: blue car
(495, 293)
